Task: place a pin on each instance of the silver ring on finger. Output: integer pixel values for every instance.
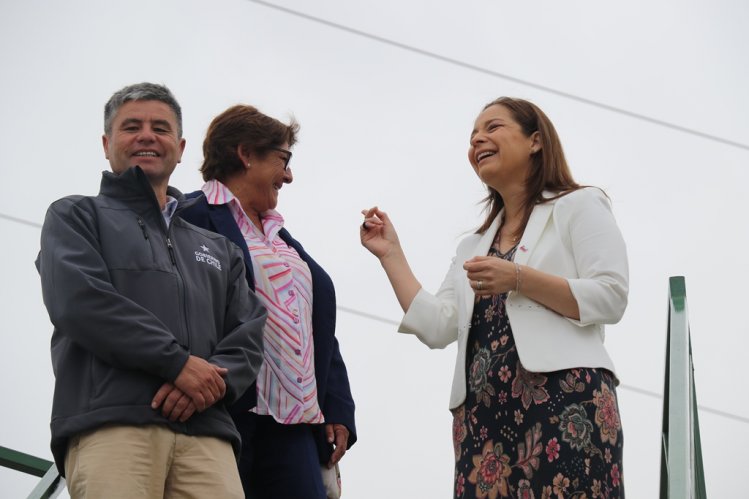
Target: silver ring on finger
(479, 285)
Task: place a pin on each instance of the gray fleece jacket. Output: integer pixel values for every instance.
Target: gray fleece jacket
(130, 299)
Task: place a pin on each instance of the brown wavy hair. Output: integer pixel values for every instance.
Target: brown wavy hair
(549, 170)
(245, 126)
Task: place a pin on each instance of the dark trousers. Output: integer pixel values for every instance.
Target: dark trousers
(278, 461)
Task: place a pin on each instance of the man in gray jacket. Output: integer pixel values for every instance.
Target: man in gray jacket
(155, 329)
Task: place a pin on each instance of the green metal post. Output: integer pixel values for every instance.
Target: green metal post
(50, 485)
(682, 474)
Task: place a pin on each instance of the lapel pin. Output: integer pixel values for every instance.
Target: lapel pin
(523, 249)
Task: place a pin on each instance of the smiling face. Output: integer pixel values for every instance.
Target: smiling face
(145, 133)
(500, 151)
(263, 179)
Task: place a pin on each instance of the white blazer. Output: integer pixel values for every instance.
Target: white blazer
(575, 237)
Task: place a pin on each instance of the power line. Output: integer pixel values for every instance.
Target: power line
(368, 316)
(20, 221)
(489, 72)
(728, 415)
(631, 388)
(724, 414)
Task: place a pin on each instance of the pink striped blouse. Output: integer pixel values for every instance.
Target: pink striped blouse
(286, 385)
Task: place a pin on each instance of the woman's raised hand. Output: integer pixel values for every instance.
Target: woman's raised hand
(377, 233)
(379, 237)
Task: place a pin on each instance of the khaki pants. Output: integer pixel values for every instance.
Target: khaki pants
(150, 462)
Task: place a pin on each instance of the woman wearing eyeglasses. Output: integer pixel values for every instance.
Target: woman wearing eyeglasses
(299, 414)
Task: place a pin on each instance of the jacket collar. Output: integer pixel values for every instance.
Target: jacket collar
(536, 224)
(540, 216)
(133, 186)
(224, 223)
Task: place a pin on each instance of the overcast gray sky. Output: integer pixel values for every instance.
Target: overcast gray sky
(650, 101)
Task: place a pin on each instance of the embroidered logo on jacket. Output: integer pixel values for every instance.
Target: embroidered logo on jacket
(203, 256)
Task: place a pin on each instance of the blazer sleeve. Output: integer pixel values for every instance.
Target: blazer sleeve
(588, 228)
(433, 319)
(339, 404)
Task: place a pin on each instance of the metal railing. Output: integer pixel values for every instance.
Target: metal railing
(51, 483)
(682, 475)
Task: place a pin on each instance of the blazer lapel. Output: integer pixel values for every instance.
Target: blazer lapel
(480, 249)
(224, 223)
(536, 224)
(487, 238)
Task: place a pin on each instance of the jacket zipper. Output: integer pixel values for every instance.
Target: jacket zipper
(142, 225)
(181, 292)
(185, 323)
(171, 251)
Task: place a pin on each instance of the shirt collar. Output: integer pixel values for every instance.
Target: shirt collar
(169, 209)
(217, 193)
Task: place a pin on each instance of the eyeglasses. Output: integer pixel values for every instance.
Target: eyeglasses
(285, 158)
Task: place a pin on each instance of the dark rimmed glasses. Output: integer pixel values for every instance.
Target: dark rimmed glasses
(285, 158)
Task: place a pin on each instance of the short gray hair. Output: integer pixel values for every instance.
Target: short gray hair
(141, 91)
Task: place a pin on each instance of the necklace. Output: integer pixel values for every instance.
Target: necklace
(504, 237)
(507, 234)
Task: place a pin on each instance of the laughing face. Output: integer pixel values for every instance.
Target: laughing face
(500, 152)
(144, 133)
(265, 178)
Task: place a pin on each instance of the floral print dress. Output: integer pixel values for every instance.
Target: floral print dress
(523, 434)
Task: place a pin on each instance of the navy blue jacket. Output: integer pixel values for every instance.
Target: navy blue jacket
(333, 390)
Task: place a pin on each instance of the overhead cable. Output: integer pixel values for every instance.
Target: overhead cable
(641, 391)
(519, 81)
(20, 221)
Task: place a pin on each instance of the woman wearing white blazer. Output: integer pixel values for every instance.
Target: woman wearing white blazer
(526, 298)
